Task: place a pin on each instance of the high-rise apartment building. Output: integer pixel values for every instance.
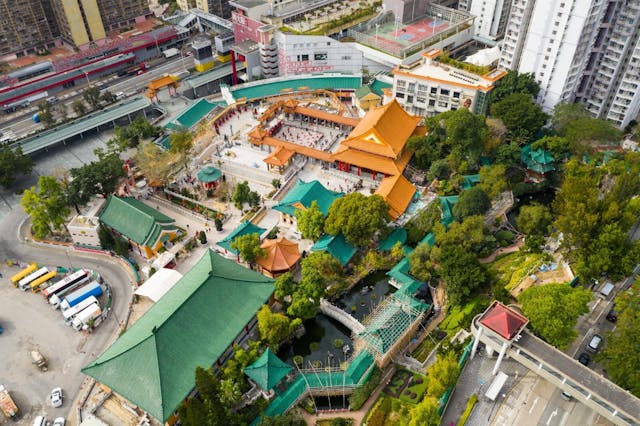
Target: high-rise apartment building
(219, 8)
(579, 50)
(25, 25)
(491, 16)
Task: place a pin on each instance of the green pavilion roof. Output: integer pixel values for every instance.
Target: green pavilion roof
(209, 174)
(244, 228)
(398, 235)
(303, 194)
(268, 370)
(152, 364)
(336, 246)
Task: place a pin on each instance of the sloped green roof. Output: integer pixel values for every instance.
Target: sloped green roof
(134, 219)
(305, 193)
(209, 174)
(446, 205)
(244, 228)
(336, 246)
(430, 239)
(538, 160)
(383, 332)
(194, 113)
(152, 364)
(470, 181)
(378, 85)
(363, 91)
(399, 235)
(273, 87)
(268, 370)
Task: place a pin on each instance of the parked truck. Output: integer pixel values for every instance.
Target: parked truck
(72, 299)
(8, 407)
(75, 310)
(57, 298)
(39, 360)
(90, 317)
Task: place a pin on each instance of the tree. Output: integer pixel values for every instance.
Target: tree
(422, 223)
(612, 253)
(553, 310)
(425, 413)
(230, 393)
(508, 154)
(470, 234)
(522, 117)
(493, 180)
(462, 273)
(274, 327)
(442, 374)
(47, 206)
(107, 97)
(233, 369)
(209, 409)
(565, 113)
(284, 286)
(575, 123)
(202, 236)
(302, 307)
(624, 341)
(248, 247)
(45, 114)
(310, 221)
(241, 194)
(181, 144)
(327, 265)
(155, 164)
(534, 219)
(422, 267)
(107, 241)
(98, 177)
(12, 163)
(466, 135)
(473, 201)
(79, 107)
(357, 217)
(92, 96)
(439, 169)
(558, 146)
(514, 82)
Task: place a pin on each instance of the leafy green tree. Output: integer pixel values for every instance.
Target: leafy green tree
(202, 236)
(493, 179)
(470, 234)
(241, 358)
(153, 162)
(98, 177)
(45, 114)
(565, 113)
(79, 107)
(92, 96)
(473, 201)
(514, 82)
(181, 142)
(425, 413)
(107, 97)
(508, 154)
(241, 194)
(285, 285)
(310, 221)
(611, 253)
(422, 223)
(522, 117)
(534, 219)
(46, 205)
(623, 342)
(13, 163)
(439, 169)
(357, 217)
(422, 267)
(230, 393)
(594, 130)
(556, 145)
(462, 273)
(442, 374)
(107, 240)
(553, 310)
(207, 408)
(288, 419)
(302, 306)
(328, 266)
(274, 327)
(248, 247)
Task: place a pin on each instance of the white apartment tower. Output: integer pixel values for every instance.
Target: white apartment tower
(491, 16)
(578, 50)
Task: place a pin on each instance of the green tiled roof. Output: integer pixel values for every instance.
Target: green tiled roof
(134, 219)
(271, 88)
(305, 193)
(470, 181)
(538, 160)
(209, 174)
(383, 332)
(446, 205)
(153, 362)
(268, 370)
(399, 235)
(244, 228)
(336, 246)
(378, 85)
(363, 91)
(400, 272)
(430, 239)
(196, 112)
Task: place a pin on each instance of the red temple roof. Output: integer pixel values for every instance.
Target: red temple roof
(503, 320)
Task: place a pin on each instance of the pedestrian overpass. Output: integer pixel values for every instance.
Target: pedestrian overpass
(582, 383)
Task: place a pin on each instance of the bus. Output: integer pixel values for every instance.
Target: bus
(35, 284)
(64, 283)
(24, 283)
(26, 271)
(137, 69)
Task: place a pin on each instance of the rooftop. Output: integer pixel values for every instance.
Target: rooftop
(272, 87)
(303, 194)
(134, 219)
(281, 255)
(336, 246)
(398, 192)
(152, 363)
(503, 320)
(268, 370)
(244, 228)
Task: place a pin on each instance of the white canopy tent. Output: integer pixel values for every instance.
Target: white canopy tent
(159, 283)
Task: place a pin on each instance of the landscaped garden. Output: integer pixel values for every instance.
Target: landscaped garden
(428, 344)
(407, 386)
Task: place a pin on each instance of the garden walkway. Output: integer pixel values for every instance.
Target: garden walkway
(503, 250)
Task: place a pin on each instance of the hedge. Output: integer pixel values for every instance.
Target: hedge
(467, 411)
(361, 394)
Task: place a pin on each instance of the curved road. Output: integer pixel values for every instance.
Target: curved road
(28, 323)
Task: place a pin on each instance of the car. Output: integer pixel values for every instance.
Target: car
(612, 316)
(56, 397)
(566, 396)
(39, 421)
(59, 421)
(584, 358)
(120, 95)
(595, 343)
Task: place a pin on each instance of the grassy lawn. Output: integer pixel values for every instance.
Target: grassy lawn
(512, 268)
(414, 393)
(460, 316)
(407, 386)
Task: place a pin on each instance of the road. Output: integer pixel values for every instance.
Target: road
(30, 323)
(22, 124)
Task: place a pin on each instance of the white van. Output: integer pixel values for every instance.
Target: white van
(606, 290)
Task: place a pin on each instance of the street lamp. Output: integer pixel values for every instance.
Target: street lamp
(86, 74)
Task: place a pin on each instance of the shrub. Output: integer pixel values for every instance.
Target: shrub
(313, 346)
(467, 411)
(361, 394)
(298, 359)
(338, 343)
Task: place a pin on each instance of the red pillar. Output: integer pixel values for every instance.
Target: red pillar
(358, 170)
(234, 75)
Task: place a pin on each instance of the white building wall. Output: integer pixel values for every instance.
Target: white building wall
(84, 231)
(308, 54)
(490, 17)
